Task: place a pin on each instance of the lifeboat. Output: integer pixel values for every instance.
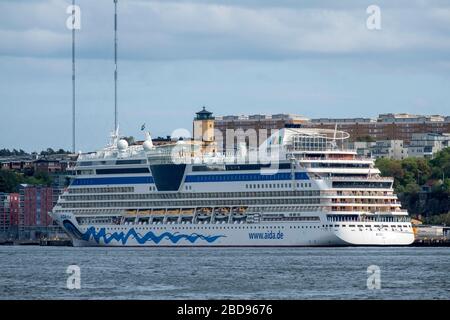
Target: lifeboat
(173, 211)
(187, 211)
(204, 211)
(158, 211)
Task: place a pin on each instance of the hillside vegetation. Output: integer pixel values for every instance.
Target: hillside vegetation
(423, 185)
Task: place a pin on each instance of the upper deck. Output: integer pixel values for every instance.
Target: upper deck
(307, 145)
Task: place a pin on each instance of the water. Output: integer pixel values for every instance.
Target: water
(224, 273)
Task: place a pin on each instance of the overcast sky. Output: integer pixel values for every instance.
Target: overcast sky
(312, 58)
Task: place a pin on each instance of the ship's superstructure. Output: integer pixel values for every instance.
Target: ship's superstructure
(303, 191)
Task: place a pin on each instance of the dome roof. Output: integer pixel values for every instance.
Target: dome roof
(122, 144)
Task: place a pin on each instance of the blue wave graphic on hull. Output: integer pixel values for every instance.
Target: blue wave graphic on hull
(141, 239)
(149, 236)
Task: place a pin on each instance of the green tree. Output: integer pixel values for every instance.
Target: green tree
(391, 168)
(439, 219)
(366, 138)
(130, 140)
(412, 188)
(441, 163)
(9, 181)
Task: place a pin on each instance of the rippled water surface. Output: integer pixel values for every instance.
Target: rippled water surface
(33, 272)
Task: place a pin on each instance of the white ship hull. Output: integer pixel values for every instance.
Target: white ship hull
(235, 235)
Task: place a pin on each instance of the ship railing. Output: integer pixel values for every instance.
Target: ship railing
(360, 178)
(357, 193)
(112, 154)
(368, 213)
(359, 158)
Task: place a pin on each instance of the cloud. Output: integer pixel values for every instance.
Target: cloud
(160, 30)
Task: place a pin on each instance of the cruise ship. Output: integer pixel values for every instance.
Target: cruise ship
(307, 190)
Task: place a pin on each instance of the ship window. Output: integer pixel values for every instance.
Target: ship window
(122, 170)
(140, 161)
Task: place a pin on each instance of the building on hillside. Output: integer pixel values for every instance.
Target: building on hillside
(9, 213)
(47, 166)
(258, 127)
(362, 148)
(425, 145)
(390, 126)
(390, 149)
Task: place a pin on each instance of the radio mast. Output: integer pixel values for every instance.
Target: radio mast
(115, 70)
(73, 76)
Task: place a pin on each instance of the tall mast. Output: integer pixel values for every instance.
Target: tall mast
(115, 70)
(73, 76)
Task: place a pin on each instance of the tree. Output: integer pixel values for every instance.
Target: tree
(130, 140)
(47, 152)
(441, 162)
(9, 181)
(412, 188)
(390, 168)
(366, 138)
(62, 151)
(439, 219)
(42, 178)
(14, 152)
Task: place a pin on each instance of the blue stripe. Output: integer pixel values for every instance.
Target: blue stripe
(112, 180)
(245, 177)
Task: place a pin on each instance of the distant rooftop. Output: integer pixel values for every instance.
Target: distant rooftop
(382, 118)
(253, 117)
(406, 117)
(386, 117)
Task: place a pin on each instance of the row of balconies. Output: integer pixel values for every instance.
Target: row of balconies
(365, 201)
(366, 209)
(358, 193)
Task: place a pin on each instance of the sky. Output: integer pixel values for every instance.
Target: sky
(311, 58)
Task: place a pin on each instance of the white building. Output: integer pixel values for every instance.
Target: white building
(362, 148)
(425, 145)
(391, 149)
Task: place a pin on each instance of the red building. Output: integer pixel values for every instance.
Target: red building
(36, 202)
(48, 166)
(9, 211)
